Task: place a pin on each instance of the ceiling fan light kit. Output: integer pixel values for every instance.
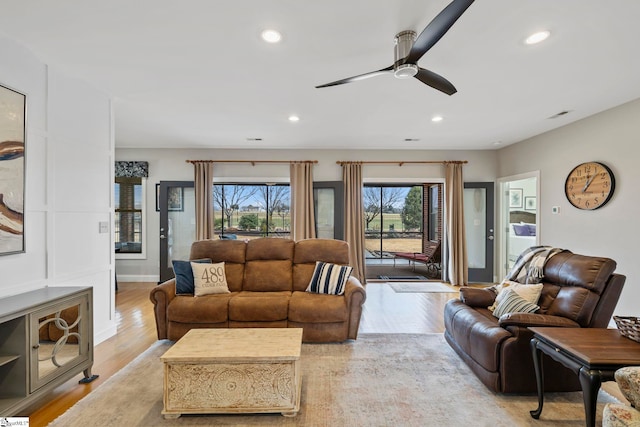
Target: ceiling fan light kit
(409, 49)
(404, 43)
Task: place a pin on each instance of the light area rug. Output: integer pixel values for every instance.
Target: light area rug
(377, 380)
(402, 278)
(420, 287)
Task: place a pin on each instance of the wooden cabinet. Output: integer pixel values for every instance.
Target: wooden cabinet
(46, 338)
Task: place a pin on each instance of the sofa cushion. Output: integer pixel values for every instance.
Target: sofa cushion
(305, 307)
(268, 266)
(184, 275)
(267, 276)
(477, 333)
(204, 309)
(574, 303)
(329, 278)
(569, 269)
(259, 306)
(231, 252)
(512, 302)
(307, 252)
(270, 248)
(209, 279)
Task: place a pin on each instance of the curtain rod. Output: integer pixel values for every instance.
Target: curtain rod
(400, 162)
(253, 162)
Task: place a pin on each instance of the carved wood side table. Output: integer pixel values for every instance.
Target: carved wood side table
(216, 371)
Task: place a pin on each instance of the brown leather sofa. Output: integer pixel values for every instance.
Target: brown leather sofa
(578, 291)
(267, 278)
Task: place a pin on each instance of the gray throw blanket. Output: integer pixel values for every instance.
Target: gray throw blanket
(529, 267)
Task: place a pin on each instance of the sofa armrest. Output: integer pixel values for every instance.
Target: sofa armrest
(534, 319)
(354, 292)
(161, 296)
(355, 296)
(477, 297)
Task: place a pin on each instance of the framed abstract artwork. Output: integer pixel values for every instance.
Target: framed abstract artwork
(530, 203)
(515, 198)
(13, 108)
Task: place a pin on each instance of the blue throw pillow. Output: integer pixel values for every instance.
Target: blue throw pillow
(521, 230)
(184, 275)
(532, 229)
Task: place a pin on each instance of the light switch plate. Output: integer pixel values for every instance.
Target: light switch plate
(555, 209)
(103, 227)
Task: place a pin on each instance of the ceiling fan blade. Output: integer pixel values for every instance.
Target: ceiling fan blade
(359, 77)
(436, 81)
(436, 29)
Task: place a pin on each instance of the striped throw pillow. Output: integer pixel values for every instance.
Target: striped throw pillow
(329, 278)
(514, 303)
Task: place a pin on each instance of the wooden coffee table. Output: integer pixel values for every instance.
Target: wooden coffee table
(213, 371)
(593, 354)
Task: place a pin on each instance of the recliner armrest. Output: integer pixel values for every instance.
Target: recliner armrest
(477, 297)
(534, 319)
(161, 296)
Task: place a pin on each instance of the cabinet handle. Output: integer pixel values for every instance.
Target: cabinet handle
(37, 346)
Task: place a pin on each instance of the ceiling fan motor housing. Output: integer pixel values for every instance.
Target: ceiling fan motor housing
(403, 44)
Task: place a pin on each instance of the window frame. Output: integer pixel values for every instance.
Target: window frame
(143, 224)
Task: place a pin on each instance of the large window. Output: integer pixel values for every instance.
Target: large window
(252, 210)
(129, 216)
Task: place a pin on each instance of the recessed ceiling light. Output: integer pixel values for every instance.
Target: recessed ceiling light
(254, 139)
(537, 37)
(412, 139)
(497, 143)
(437, 119)
(271, 36)
(294, 118)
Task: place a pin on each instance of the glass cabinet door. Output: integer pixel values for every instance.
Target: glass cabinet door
(58, 339)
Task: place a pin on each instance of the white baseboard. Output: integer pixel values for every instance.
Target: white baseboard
(138, 278)
(99, 336)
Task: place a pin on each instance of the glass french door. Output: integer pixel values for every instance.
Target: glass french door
(328, 205)
(479, 229)
(176, 200)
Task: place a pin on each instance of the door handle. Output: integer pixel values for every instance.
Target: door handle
(490, 237)
(162, 236)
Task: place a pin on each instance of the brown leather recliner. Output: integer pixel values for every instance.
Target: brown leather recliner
(578, 291)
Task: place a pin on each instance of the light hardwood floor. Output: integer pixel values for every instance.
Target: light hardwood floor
(385, 311)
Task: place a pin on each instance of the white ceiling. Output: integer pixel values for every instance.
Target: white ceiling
(195, 73)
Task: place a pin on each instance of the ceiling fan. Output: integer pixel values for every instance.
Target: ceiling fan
(409, 50)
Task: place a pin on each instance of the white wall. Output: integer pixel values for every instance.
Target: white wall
(170, 165)
(69, 176)
(612, 138)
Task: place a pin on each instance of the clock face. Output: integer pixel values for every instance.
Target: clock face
(589, 186)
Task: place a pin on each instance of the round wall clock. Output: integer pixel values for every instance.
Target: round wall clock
(589, 185)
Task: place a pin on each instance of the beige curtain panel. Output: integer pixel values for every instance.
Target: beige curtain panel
(203, 180)
(353, 217)
(302, 208)
(456, 239)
